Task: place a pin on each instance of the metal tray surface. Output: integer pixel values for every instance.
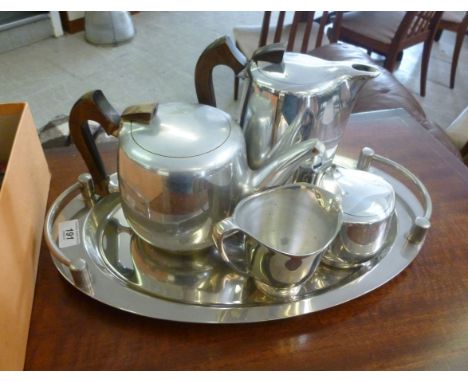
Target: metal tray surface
(125, 272)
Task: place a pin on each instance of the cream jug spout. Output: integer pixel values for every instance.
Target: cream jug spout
(279, 170)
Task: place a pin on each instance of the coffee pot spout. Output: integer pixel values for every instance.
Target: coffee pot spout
(279, 170)
(359, 74)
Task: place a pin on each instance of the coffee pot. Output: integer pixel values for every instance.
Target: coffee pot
(181, 167)
(287, 97)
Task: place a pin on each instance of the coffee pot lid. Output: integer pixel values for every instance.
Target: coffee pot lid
(183, 130)
(298, 73)
(365, 197)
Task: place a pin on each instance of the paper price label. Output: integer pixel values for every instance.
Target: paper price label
(69, 233)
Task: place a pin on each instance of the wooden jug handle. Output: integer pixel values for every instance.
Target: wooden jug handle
(220, 52)
(93, 106)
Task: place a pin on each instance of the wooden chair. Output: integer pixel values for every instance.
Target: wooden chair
(456, 22)
(389, 33)
(298, 35)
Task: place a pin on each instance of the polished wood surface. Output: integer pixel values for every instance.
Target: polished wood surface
(419, 320)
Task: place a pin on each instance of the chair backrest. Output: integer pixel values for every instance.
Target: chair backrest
(415, 27)
(304, 17)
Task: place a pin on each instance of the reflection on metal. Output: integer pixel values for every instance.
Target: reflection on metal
(186, 169)
(285, 230)
(300, 98)
(421, 224)
(368, 203)
(129, 274)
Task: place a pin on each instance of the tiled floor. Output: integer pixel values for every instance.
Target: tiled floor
(158, 64)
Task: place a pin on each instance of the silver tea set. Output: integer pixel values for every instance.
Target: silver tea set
(265, 191)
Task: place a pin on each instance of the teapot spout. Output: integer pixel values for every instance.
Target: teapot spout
(279, 170)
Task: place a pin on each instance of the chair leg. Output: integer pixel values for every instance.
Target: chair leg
(456, 55)
(425, 65)
(438, 35)
(236, 87)
(390, 62)
(400, 56)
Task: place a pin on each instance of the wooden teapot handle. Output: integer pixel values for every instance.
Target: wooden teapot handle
(93, 106)
(220, 52)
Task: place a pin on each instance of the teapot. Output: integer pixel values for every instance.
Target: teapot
(181, 167)
(286, 98)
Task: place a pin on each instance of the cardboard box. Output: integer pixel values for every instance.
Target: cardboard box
(23, 199)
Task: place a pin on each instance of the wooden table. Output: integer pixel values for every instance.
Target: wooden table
(419, 320)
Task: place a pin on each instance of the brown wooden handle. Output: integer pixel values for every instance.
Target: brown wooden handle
(93, 106)
(220, 52)
(271, 53)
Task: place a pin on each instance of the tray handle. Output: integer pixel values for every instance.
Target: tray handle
(78, 267)
(421, 224)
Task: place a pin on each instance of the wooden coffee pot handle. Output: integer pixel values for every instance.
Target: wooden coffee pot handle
(220, 52)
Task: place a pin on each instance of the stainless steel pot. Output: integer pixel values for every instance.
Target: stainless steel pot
(287, 97)
(368, 203)
(180, 170)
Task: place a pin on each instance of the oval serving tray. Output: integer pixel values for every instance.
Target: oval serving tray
(106, 261)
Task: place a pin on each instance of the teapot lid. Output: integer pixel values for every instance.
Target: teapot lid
(183, 130)
(299, 73)
(365, 197)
